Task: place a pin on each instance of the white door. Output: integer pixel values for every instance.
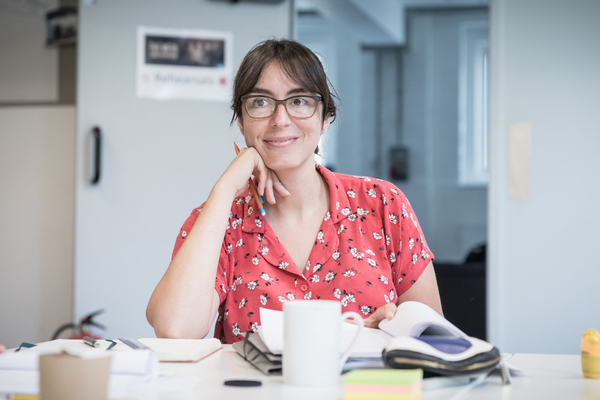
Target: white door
(159, 159)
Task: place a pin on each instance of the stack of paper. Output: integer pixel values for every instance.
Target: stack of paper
(370, 343)
(383, 384)
(142, 363)
(19, 371)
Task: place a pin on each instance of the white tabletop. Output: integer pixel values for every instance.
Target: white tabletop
(545, 377)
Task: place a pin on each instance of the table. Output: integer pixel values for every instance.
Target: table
(546, 377)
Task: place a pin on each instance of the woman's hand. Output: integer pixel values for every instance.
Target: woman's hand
(385, 312)
(249, 162)
(2, 349)
(424, 290)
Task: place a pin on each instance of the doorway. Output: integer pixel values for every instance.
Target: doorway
(416, 101)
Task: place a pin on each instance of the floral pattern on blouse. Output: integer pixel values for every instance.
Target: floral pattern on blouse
(369, 250)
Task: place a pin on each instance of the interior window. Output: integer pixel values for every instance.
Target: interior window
(473, 104)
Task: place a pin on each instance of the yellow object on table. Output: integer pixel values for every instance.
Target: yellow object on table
(590, 354)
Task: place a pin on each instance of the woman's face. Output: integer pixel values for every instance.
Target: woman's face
(284, 142)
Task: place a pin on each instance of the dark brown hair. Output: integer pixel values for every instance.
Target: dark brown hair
(298, 63)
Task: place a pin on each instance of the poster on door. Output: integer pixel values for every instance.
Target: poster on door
(184, 64)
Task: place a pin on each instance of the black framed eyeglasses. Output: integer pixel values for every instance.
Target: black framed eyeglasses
(259, 106)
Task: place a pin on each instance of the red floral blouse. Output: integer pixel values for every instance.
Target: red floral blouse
(370, 249)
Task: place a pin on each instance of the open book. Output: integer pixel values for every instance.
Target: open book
(411, 319)
(182, 350)
(414, 319)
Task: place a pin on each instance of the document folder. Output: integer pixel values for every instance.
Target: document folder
(253, 350)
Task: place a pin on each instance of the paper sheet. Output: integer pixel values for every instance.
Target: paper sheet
(520, 161)
(127, 363)
(370, 343)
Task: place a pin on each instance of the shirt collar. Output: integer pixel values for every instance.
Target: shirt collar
(339, 205)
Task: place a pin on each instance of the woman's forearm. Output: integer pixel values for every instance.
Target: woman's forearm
(424, 290)
(184, 303)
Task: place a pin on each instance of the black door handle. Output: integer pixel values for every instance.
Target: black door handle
(97, 140)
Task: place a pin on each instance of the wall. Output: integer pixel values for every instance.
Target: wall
(37, 149)
(380, 108)
(543, 272)
(320, 36)
(344, 143)
(29, 68)
(37, 161)
(160, 158)
(37, 168)
(350, 138)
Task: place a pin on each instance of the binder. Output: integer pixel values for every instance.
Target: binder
(253, 350)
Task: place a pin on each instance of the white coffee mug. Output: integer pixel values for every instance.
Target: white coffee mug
(311, 347)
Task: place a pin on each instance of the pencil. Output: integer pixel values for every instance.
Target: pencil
(252, 187)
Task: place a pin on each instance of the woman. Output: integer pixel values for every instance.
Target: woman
(324, 236)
